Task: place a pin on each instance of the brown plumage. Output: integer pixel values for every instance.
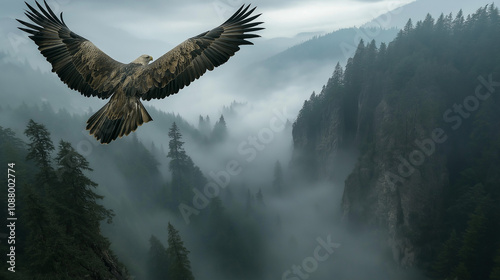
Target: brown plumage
(85, 68)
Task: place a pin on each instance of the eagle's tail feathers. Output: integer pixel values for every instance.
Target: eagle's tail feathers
(106, 125)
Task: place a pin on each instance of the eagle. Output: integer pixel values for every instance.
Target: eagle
(85, 68)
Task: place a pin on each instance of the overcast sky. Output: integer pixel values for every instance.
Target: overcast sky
(171, 22)
(126, 29)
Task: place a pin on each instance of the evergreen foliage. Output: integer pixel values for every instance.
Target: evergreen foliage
(219, 133)
(447, 259)
(433, 65)
(204, 125)
(39, 150)
(158, 260)
(185, 174)
(179, 265)
(60, 236)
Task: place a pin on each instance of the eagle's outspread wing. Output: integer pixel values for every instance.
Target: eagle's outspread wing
(77, 62)
(193, 57)
(84, 67)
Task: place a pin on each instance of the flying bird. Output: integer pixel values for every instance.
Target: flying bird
(85, 68)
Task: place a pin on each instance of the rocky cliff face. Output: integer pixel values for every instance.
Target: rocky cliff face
(381, 194)
(318, 146)
(411, 132)
(376, 194)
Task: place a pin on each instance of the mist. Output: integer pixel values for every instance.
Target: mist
(240, 223)
(284, 226)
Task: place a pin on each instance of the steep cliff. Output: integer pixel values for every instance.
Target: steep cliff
(319, 134)
(418, 113)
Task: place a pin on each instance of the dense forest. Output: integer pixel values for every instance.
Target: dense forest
(423, 112)
(43, 182)
(390, 172)
(60, 236)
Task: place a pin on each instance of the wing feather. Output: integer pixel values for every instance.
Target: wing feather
(193, 57)
(77, 62)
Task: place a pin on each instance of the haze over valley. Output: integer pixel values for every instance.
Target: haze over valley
(347, 143)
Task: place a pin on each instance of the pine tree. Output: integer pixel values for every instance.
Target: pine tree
(178, 164)
(185, 174)
(370, 56)
(494, 15)
(179, 265)
(158, 260)
(470, 253)
(64, 239)
(204, 125)
(219, 133)
(39, 150)
(428, 24)
(11, 147)
(177, 155)
(201, 122)
(338, 75)
(458, 22)
(442, 25)
(81, 215)
(207, 120)
(49, 249)
(447, 258)
(408, 27)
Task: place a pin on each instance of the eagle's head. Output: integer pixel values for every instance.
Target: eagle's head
(143, 59)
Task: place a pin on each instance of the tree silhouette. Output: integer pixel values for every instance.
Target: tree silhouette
(178, 164)
(185, 174)
(80, 215)
(39, 150)
(179, 264)
(63, 220)
(219, 132)
(158, 260)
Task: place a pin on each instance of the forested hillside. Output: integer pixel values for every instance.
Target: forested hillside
(59, 236)
(423, 114)
(390, 171)
(308, 60)
(145, 183)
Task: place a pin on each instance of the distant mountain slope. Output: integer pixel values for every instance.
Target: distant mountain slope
(339, 45)
(313, 59)
(419, 9)
(332, 47)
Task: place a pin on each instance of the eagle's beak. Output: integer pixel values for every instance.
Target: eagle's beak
(151, 58)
